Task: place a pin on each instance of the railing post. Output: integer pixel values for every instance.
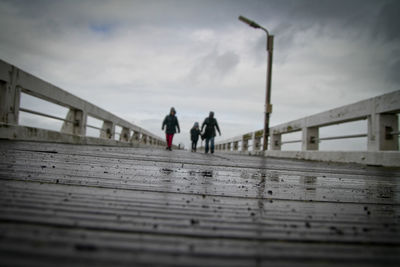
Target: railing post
(10, 96)
(76, 123)
(276, 141)
(135, 137)
(245, 142)
(108, 130)
(380, 127)
(253, 139)
(229, 146)
(310, 138)
(144, 139)
(235, 145)
(125, 135)
(257, 140)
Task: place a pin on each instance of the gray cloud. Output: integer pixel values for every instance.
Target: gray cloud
(138, 58)
(388, 22)
(212, 67)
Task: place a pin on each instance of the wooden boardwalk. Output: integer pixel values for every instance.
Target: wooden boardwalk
(66, 205)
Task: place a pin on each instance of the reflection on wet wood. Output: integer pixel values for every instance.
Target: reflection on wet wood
(106, 206)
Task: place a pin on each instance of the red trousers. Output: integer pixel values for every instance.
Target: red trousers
(169, 139)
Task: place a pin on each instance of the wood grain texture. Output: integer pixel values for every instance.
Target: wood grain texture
(71, 205)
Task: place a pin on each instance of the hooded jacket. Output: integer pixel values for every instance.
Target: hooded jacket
(194, 133)
(210, 123)
(171, 123)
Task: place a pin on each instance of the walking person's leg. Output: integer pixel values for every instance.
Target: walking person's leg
(195, 145)
(207, 143)
(212, 145)
(170, 137)
(166, 139)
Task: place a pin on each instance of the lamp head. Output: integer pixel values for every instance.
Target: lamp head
(249, 22)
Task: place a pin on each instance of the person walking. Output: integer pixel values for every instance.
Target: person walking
(171, 124)
(209, 134)
(194, 136)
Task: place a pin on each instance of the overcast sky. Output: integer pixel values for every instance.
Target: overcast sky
(136, 59)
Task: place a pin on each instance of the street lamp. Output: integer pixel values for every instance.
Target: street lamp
(268, 106)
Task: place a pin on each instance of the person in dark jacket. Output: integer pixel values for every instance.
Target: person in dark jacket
(209, 134)
(171, 124)
(194, 136)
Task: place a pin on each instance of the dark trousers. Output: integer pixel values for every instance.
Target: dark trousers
(208, 147)
(194, 145)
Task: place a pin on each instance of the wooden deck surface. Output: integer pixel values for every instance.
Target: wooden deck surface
(67, 205)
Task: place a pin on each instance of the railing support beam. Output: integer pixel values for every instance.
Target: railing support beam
(125, 135)
(75, 122)
(310, 137)
(108, 130)
(10, 95)
(135, 137)
(245, 144)
(256, 141)
(236, 146)
(380, 127)
(144, 139)
(276, 141)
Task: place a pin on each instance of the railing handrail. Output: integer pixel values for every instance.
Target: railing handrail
(27, 83)
(352, 112)
(380, 111)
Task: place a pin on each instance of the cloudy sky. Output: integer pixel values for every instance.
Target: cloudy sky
(136, 59)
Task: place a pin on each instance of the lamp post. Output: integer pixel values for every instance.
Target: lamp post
(268, 106)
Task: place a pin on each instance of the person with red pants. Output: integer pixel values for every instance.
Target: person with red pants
(171, 124)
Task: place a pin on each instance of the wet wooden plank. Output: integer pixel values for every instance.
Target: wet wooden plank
(110, 206)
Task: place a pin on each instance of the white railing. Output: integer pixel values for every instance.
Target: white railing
(383, 129)
(14, 81)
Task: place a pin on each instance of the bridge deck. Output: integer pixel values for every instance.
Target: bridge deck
(69, 205)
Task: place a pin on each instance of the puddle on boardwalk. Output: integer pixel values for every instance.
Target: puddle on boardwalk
(270, 176)
(166, 171)
(207, 173)
(385, 192)
(309, 182)
(201, 173)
